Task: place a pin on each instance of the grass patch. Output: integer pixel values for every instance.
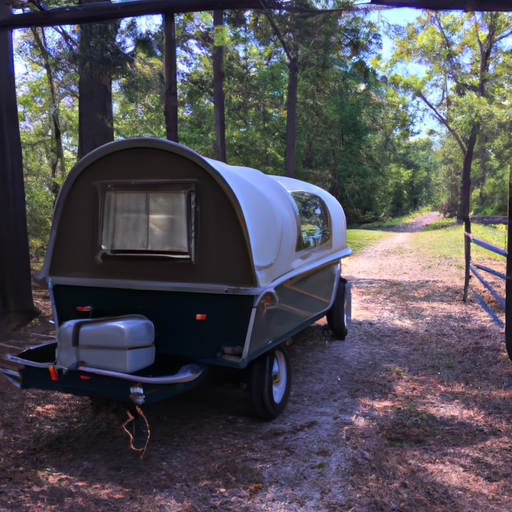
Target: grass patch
(397, 221)
(495, 235)
(448, 242)
(439, 224)
(444, 243)
(359, 239)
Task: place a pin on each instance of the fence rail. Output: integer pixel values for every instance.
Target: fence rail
(490, 270)
(471, 268)
(490, 220)
(487, 245)
(500, 300)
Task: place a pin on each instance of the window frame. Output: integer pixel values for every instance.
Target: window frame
(189, 187)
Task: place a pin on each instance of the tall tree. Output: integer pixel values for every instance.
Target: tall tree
(171, 78)
(57, 163)
(97, 55)
(144, 103)
(16, 303)
(290, 44)
(291, 116)
(219, 41)
(459, 55)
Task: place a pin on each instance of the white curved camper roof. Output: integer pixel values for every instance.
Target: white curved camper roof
(263, 202)
(273, 223)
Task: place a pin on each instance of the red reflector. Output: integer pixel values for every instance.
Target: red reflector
(200, 317)
(85, 377)
(53, 373)
(83, 308)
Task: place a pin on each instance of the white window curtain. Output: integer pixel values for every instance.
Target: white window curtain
(146, 221)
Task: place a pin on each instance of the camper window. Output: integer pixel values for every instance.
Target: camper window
(147, 222)
(315, 227)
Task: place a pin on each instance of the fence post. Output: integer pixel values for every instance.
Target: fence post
(467, 256)
(508, 285)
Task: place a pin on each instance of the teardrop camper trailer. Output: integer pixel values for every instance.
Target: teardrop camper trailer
(162, 263)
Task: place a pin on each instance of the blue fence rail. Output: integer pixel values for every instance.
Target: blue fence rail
(471, 268)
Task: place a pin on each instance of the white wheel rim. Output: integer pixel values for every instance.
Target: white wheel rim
(279, 376)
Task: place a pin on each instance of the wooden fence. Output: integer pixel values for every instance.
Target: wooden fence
(476, 269)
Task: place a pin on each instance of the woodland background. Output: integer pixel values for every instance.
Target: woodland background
(358, 107)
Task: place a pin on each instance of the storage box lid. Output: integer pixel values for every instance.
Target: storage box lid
(121, 332)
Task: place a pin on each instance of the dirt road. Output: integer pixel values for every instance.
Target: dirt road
(410, 413)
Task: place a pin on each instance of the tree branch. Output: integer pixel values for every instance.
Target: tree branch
(443, 121)
(450, 51)
(276, 31)
(71, 43)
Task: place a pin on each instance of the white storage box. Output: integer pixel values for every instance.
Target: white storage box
(125, 361)
(123, 344)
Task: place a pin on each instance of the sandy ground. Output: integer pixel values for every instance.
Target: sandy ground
(410, 413)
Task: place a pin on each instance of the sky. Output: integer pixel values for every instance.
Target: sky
(401, 16)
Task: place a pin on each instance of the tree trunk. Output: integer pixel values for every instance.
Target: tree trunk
(307, 161)
(218, 84)
(484, 159)
(467, 258)
(95, 116)
(171, 81)
(16, 303)
(465, 190)
(57, 165)
(291, 118)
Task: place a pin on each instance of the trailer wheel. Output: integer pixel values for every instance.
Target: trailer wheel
(337, 315)
(270, 383)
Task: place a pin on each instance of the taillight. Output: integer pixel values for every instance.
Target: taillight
(53, 373)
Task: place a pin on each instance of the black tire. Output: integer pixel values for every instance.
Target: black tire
(270, 383)
(336, 319)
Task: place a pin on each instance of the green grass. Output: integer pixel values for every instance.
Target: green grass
(394, 221)
(439, 239)
(359, 239)
(496, 235)
(439, 224)
(449, 242)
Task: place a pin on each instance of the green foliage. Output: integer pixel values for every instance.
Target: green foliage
(355, 134)
(39, 214)
(457, 72)
(139, 92)
(411, 172)
(38, 106)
